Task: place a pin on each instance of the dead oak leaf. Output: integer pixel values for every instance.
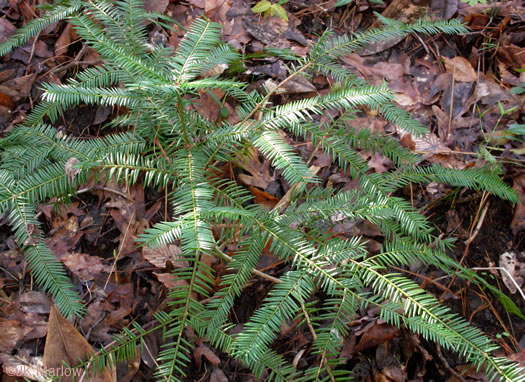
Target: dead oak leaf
(379, 163)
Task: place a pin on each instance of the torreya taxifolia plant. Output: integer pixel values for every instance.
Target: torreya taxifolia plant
(168, 145)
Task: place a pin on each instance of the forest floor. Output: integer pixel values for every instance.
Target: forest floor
(465, 89)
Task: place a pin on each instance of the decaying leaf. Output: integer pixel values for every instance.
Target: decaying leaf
(5, 100)
(6, 29)
(515, 269)
(461, 69)
(19, 87)
(34, 302)
(11, 331)
(375, 335)
(158, 6)
(263, 198)
(435, 151)
(22, 365)
(71, 172)
(64, 344)
(85, 267)
(159, 256)
(203, 350)
(66, 38)
(170, 281)
(259, 172)
(518, 220)
(217, 375)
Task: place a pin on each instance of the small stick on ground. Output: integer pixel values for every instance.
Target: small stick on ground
(447, 366)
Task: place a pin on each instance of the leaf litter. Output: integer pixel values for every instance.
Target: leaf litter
(460, 89)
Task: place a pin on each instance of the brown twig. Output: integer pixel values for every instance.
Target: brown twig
(445, 363)
(474, 230)
(427, 279)
(451, 103)
(308, 322)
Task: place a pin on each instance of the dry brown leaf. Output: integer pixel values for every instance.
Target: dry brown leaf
(6, 100)
(358, 63)
(390, 70)
(376, 335)
(170, 281)
(268, 31)
(298, 85)
(43, 50)
(27, 9)
(263, 198)
(151, 343)
(85, 267)
(67, 36)
(7, 74)
(6, 29)
(379, 162)
(217, 375)
(198, 3)
(159, 256)
(444, 9)
(518, 220)
(215, 71)
(116, 317)
(71, 172)
(64, 344)
(126, 207)
(518, 357)
(19, 87)
(506, 76)
(31, 311)
(259, 171)
(461, 69)
(210, 5)
(99, 331)
(34, 302)
(208, 106)
(203, 350)
(511, 278)
(490, 93)
(156, 5)
(407, 142)
(22, 366)
(435, 151)
(11, 331)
